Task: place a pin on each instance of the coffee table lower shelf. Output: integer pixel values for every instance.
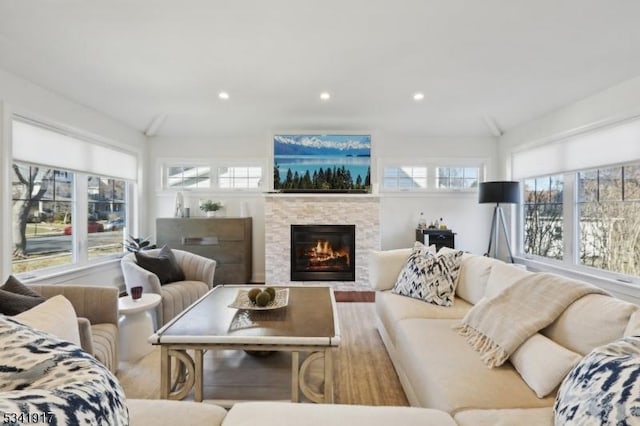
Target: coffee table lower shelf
(190, 370)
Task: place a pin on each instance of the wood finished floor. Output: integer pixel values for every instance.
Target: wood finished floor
(363, 371)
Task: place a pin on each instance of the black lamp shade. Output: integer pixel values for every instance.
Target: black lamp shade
(499, 192)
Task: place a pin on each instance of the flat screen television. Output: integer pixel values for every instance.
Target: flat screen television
(322, 163)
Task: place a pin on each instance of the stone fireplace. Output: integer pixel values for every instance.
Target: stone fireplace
(323, 253)
(282, 211)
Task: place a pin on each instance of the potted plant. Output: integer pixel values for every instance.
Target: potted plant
(210, 207)
(138, 244)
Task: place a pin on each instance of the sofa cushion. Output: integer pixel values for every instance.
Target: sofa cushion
(385, 266)
(55, 316)
(428, 277)
(543, 363)
(473, 277)
(391, 308)
(603, 388)
(146, 412)
(289, 414)
(503, 275)
(164, 265)
(506, 417)
(16, 297)
(42, 374)
(633, 327)
(447, 374)
(589, 322)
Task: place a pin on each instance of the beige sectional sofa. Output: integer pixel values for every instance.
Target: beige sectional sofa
(439, 369)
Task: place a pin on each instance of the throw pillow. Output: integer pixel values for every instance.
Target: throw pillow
(385, 266)
(55, 381)
(543, 363)
(428, 277)
(502, 276)
(164, 265)
(55, 316)
(16, 297)
(603, 388)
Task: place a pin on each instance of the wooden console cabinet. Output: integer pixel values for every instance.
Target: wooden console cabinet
(227, 240)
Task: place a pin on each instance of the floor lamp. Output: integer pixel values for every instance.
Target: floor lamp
(504, 192)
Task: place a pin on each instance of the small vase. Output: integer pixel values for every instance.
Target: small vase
(212, 214)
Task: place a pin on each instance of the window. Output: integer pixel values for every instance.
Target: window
(60, 184)
(239, 177)
(220, 174)
(42, 208)
(188, 177)
(457, 177)
(405, 177)
(106, 221)
(609, 218)
(430, 174)
(543, 216)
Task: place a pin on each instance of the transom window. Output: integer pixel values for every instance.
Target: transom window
(405, 177)
(188, 177)
(239, 177)
(457, 177)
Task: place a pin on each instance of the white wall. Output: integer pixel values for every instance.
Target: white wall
(399, 212)
(22, 97)
(609, 106)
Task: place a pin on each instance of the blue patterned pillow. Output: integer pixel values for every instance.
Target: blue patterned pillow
(45, 380)
(604, 388)
(429, 277)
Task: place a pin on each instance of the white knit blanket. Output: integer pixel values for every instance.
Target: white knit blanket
(496, 327)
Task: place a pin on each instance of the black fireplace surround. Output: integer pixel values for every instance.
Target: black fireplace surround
(323, 252)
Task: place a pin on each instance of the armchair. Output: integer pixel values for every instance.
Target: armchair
(176, 296)
(97, 311)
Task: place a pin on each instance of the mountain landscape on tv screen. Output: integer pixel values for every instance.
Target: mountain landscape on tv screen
(322, 162)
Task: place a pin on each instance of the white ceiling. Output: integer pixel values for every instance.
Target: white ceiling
(512, 60)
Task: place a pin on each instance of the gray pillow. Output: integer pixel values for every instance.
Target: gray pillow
(164, 265)
(16, 297)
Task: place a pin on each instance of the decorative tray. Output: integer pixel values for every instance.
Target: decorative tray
(242, 301)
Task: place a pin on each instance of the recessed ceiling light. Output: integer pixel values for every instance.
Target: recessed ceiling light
(223, 95)
(325, 96)
(418, 96)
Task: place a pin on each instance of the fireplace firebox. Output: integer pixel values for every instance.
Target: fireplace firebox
(323, 252)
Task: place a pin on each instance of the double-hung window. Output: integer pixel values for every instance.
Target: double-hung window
(70, 198)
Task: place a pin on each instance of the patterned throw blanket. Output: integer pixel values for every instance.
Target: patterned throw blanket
(496, 327)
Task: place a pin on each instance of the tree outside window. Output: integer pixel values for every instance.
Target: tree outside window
(543, 216)
(609, 218)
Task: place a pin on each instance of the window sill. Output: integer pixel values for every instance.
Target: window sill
(52, 274)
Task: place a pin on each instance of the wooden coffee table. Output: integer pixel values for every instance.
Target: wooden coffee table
(309, 323)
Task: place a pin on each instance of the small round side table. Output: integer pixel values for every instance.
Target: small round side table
(135, 325)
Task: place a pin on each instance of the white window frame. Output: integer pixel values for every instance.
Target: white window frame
(571, 233)
(431, 164)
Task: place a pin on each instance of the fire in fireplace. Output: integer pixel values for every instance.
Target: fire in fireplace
(323, 252)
